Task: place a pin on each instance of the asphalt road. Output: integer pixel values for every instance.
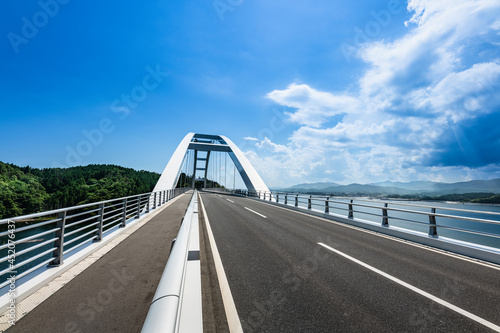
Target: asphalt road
(283, 280)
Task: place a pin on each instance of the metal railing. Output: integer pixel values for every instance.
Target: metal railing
(389, 212)
(30, 242)
(165, 310)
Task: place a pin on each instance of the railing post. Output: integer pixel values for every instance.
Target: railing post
(296, 200)
(432, 223)
(327, 206)
(270, 196)
(286, 199)
(147, 203)
(100, 225)
(164, 196)
(309, 203)
(138, 213)
(154, 205)
(124, 214)
(58, 254)
(351, 211)
(385, 218)
(277, 198)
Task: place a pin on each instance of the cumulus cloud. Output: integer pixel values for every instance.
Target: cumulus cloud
(313, 107)
(419, 103)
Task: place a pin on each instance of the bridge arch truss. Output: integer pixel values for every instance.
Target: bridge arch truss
(208, 143)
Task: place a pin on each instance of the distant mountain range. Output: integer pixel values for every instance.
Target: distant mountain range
(400, 188)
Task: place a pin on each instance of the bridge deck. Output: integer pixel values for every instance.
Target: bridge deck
(113, 294)
(294, 272)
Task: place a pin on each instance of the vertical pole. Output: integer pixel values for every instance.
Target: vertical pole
(138, 213)
(100, 225)
(206, 169)
(147, 203)
(164, 195)
(270, 196)
(327, 206)
(58, 254)
(286, 198)
(124, 213)
(351, 211)
(277, 198)
(432, 223)
(193, 183)
(309, 203)
(296, 200)
(154, 205)
(385, 218)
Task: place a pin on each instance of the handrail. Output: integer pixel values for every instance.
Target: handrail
(324, 202)
(68, 226)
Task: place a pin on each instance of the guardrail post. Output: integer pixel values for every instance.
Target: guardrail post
(138, 213)
(351, 211)
(124, 214)
(154, 204)
(58, 254)
(327, 206)
(277, 198)
(164, 195)
(432, 223)
(385, 218)
(147, 204)
(296, 200)
(100, 224)
(286, 199)
(309, 203)
(270, 196)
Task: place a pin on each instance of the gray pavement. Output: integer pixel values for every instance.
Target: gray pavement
(283, 281)
(113, 294)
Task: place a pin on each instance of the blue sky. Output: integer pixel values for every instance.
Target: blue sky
(351, 91)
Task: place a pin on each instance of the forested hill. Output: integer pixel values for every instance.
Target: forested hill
(25, 190)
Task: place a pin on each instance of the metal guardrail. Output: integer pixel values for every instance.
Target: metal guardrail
(165, 310)
(353, 207)
(48, 237)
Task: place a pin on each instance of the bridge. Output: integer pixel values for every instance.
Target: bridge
(201, 254)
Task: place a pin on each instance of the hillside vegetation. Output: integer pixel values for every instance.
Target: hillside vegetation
(25, 190)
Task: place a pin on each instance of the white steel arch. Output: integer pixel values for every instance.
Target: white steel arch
(204, 142)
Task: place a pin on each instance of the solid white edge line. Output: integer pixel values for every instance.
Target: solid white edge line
(230, 200)
(419, 291)
(253, 211)
(233, 320)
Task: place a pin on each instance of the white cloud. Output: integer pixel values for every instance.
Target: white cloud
(313, 107)
(413, 90)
